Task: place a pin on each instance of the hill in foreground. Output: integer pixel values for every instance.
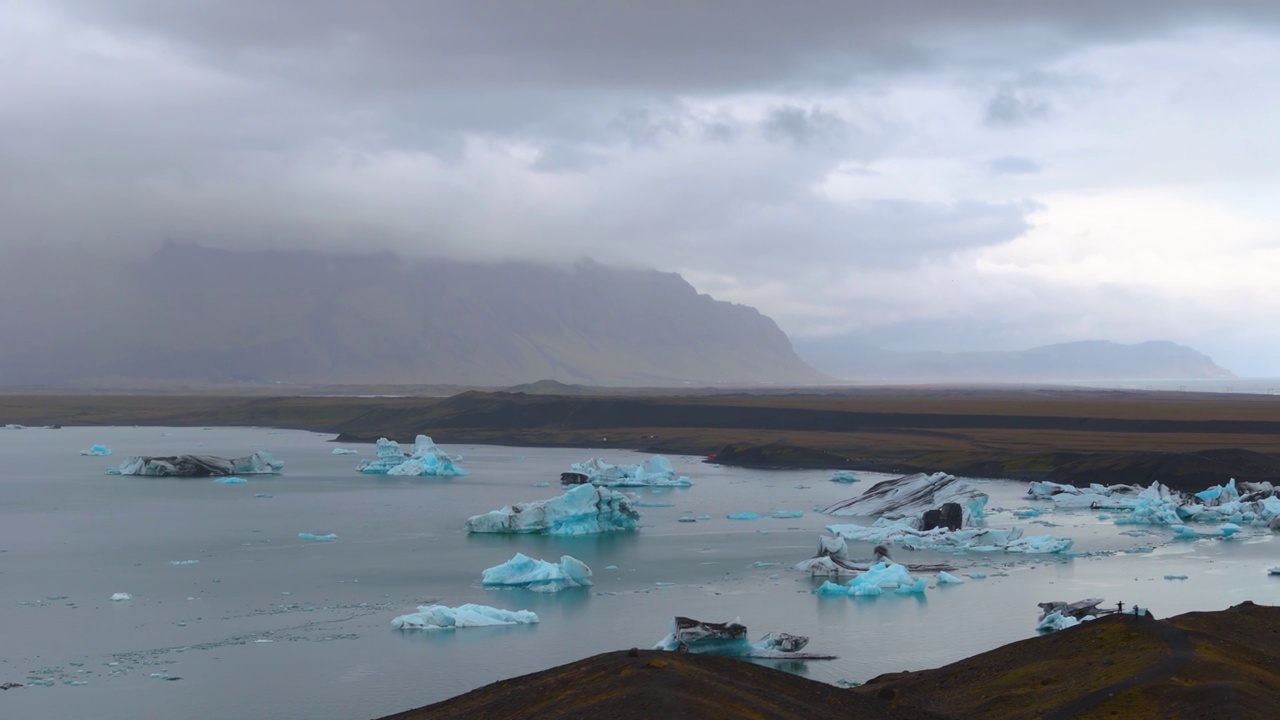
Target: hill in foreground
(1206, 664)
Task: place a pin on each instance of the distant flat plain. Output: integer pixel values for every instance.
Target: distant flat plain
(1019, 432)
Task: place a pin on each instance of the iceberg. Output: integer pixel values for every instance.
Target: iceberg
(654, 472)
(946, 578)
(441, 617)
(582, 510)
(1054, 622)
(902, 533)
(1253, 504)
(344, 451)
(231, 480)
(538, 575)
(743, 516)
(833, 560)
(317, 538)
(882, 576)
(843, 476)
(427, 460)
(97, 450)
(914, 495)
(121, 597)
(786, 514)
(730, 639)
(259, 463)
(1058, 615)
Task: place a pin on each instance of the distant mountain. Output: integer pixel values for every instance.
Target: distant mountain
(194, 314)
(1089, 360)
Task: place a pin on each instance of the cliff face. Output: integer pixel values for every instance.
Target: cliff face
(195, 314)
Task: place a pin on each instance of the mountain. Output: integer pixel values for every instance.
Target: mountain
(194, 314)
(1078, 361)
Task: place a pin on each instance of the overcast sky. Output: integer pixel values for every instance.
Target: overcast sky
(933, 174)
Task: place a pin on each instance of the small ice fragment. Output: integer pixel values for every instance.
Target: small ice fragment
(183, 562)
(1139, 549)
(317, 538)
(977, 575)
(542, 484)
(97, 450)
(120, 597)
(785, 514)
(345, 451)
(262, 495)
(775, 576)
(610, 567)
(1104, 516)
(664, 584)
(763, 564)
(1175, 577)
(744, 516)
(843, 476)
(946, 578)
(687, 519)
(231, 480)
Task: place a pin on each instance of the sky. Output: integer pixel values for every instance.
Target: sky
(926, 175)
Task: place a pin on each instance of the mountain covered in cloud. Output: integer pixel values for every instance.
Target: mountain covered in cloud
(193, 314)
(1089, 360)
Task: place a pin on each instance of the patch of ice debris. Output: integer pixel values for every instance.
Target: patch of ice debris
(843, 476)
(582, 510)
(654, 472)
(97, 450)
(901, 533)
(1252, 504)
(441, 617)
(538, 575)
(426, 460)
(344, 451)
(744, 516)
(329, 537)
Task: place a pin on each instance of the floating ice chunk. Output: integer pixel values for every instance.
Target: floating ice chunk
(744, 516)
(1225, 530)
(121, 597)
(912, 496)
(97, 450)
(730, 639)
(427, 460)
(1175, 577)
(317, 538)
(441, 617)
(654, 472)
(1273, 570)
(1140, 549)
(786, 514)
(344, 451)
(538, 575)
(946, 578)
(978, 575)
(582, 510)
(843, 476)
(231, 480)
(1056, 621)
(878, 578)
(183, 562)
(259, 463)
(903, 534)
(1026, 513)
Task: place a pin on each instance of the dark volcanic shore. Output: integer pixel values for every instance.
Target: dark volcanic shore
(1206, 665)
(1187, 440)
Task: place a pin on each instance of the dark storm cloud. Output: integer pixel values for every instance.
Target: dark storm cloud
(660, 44)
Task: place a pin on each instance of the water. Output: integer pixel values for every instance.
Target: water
(266, 625)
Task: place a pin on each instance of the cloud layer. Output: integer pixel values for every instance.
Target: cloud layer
(922, 175)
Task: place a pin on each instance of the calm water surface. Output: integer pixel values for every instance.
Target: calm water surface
(265, 625)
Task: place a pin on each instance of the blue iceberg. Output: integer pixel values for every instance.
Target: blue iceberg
(903, 533)
(654, 472)
(878, 578)
(583, 510)
(345, 451)
(743, 516)
(231, 480)
(538, 575)
(259, 463)
(97, 450)
(441, 617)
(843, 476)
(317, 538)
(427, 460)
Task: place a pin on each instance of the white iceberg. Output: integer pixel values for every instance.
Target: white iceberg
(427, 460)
(902, 533)
(231, 480)
(730, 639)
(654, 472)
(1253, 504)
(441, 617)
(313, 537)
(914, 495)
(833, 559)
(121, 597)
(97, 450)
(538, 575)
(1054, 622)
(946, 578)
(582, 510)
(259, 463)
(345, 451)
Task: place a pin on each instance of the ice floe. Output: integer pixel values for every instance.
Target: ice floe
(313, 537)
(654, 472)
(538, 575)
(843, 476)
(426, 460)
(833, 559)
(878, 578)
(441, 617)
(97, 450)
(743, 516)
(582, 510)
(231, 480)
(978, 539)
(259, 463)
(121, 597)
(345, 451)
(730, 639)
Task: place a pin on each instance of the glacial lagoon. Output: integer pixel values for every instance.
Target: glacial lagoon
(233, 614)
